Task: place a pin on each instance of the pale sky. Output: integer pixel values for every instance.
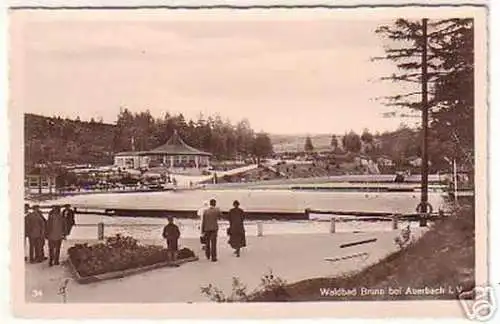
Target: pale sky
(285, 75)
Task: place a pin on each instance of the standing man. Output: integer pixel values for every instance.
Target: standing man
(35, 227)
(26, 213)
(56, 232)
(171, 234)
(69, 216)
(209, 227)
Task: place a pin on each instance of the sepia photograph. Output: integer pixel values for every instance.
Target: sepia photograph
(266, 156)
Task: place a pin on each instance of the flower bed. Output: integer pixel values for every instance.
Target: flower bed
(119, 256)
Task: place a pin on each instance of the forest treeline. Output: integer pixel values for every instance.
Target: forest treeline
(49, 139)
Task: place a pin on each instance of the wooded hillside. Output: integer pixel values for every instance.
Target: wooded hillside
(69, 141)
(51, 139)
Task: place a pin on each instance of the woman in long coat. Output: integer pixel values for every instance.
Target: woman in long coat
(236, 228)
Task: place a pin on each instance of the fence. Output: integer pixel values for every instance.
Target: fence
(256, 228)
(253, 215)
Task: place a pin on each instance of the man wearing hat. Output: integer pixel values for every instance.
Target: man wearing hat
(56, 232)
(209, 228)
(26, 212)
(171, 234)
(35, 227)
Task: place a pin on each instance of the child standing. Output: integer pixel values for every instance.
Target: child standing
(171, 233)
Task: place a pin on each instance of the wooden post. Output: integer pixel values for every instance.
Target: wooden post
(100, 231)
(260, 229)
(332, 225)
(49, 182)
(455, 179)
(395, 221)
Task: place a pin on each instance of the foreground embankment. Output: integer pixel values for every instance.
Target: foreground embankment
(438, 266)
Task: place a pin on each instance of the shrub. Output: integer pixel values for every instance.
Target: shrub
(271, 288)
(404, 239)
(238, 293)
(118, 253)
(185, 253)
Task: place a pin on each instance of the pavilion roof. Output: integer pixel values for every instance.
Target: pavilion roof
(174, 146)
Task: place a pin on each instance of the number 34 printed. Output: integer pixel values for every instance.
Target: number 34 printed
(36, 293)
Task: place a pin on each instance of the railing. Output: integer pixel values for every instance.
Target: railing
(258, 226)
(101, 227)
(259, 216)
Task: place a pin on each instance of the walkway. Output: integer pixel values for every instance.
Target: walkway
(186, 181)
(237, 170)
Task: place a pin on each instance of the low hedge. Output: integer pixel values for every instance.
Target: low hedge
(118, 253)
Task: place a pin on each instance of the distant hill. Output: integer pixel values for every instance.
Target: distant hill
(294, 143)
(66, 140)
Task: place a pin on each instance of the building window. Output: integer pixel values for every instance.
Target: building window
(177, 161)
(33, 181)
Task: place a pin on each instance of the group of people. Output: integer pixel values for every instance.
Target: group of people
(54, 229)
(210, 227)
(210, 215)
(59, 223)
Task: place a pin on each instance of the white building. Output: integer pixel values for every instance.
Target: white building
(175, 154)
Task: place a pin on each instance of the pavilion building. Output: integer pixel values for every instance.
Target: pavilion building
(174, 154)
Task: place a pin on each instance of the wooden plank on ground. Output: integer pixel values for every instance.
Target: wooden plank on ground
(357, 243)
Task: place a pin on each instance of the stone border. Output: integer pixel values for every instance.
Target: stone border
(124, 273)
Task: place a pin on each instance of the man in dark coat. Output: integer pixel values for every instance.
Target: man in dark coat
(26, 212)
(236, 228)
(56, 232)
(35, 230)
(171, 233)
(69, 216)
(210, 227)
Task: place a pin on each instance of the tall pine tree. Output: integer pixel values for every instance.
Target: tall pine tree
(450, 79)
